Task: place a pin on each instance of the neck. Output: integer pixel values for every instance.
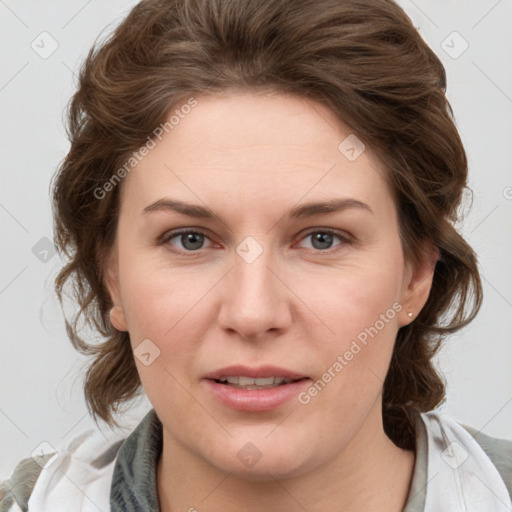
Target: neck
(371, 473)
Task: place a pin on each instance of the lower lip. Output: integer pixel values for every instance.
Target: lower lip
(255, 400)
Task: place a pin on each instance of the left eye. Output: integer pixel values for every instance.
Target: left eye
(323, 239)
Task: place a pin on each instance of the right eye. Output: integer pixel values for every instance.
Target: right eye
(191, 240)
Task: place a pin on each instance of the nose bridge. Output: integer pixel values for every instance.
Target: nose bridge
(254, 300)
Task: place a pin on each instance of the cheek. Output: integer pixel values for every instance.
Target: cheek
(361, 309)
(160, 308)
(356, 300)
(156, 298)
(164, 305)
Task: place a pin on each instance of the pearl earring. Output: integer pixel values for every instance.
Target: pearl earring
(409, 314)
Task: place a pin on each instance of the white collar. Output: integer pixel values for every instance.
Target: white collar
(460, 475)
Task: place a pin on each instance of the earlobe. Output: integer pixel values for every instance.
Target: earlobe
(117, 318)
(417, 288)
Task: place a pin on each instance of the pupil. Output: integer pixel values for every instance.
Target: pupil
(192, 238)
(322, 238)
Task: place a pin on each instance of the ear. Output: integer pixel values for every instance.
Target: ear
(418, 282)
(117, 317)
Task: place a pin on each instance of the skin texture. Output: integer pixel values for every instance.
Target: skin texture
(251, 157)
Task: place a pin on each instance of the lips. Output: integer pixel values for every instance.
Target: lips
(254, 389)
(254, 373)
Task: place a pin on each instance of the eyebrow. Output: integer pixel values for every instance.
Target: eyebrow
(299, 212)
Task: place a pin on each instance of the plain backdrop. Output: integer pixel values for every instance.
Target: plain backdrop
(41, 46)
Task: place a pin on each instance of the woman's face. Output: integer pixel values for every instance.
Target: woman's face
(261, 285)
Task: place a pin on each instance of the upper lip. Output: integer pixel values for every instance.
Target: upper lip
(255, 373)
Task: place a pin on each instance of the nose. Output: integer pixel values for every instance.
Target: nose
(256, 298)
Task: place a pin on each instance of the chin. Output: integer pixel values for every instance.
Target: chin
(268, 464)
(266, 472)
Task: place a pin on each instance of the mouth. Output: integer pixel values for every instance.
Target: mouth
(249, 383)
(254, 389)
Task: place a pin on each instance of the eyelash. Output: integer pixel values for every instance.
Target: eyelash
(344, 239)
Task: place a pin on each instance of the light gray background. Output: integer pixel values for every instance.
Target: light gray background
(40, 380)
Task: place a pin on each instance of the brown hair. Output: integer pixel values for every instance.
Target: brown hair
(364, 60)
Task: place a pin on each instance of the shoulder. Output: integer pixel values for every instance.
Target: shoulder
(87, 460)
(15, 492)
(498, 450)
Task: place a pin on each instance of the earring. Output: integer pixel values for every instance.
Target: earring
(409, 314)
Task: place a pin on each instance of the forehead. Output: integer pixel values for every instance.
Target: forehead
(252, 148)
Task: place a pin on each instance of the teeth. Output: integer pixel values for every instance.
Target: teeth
(242, 381)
